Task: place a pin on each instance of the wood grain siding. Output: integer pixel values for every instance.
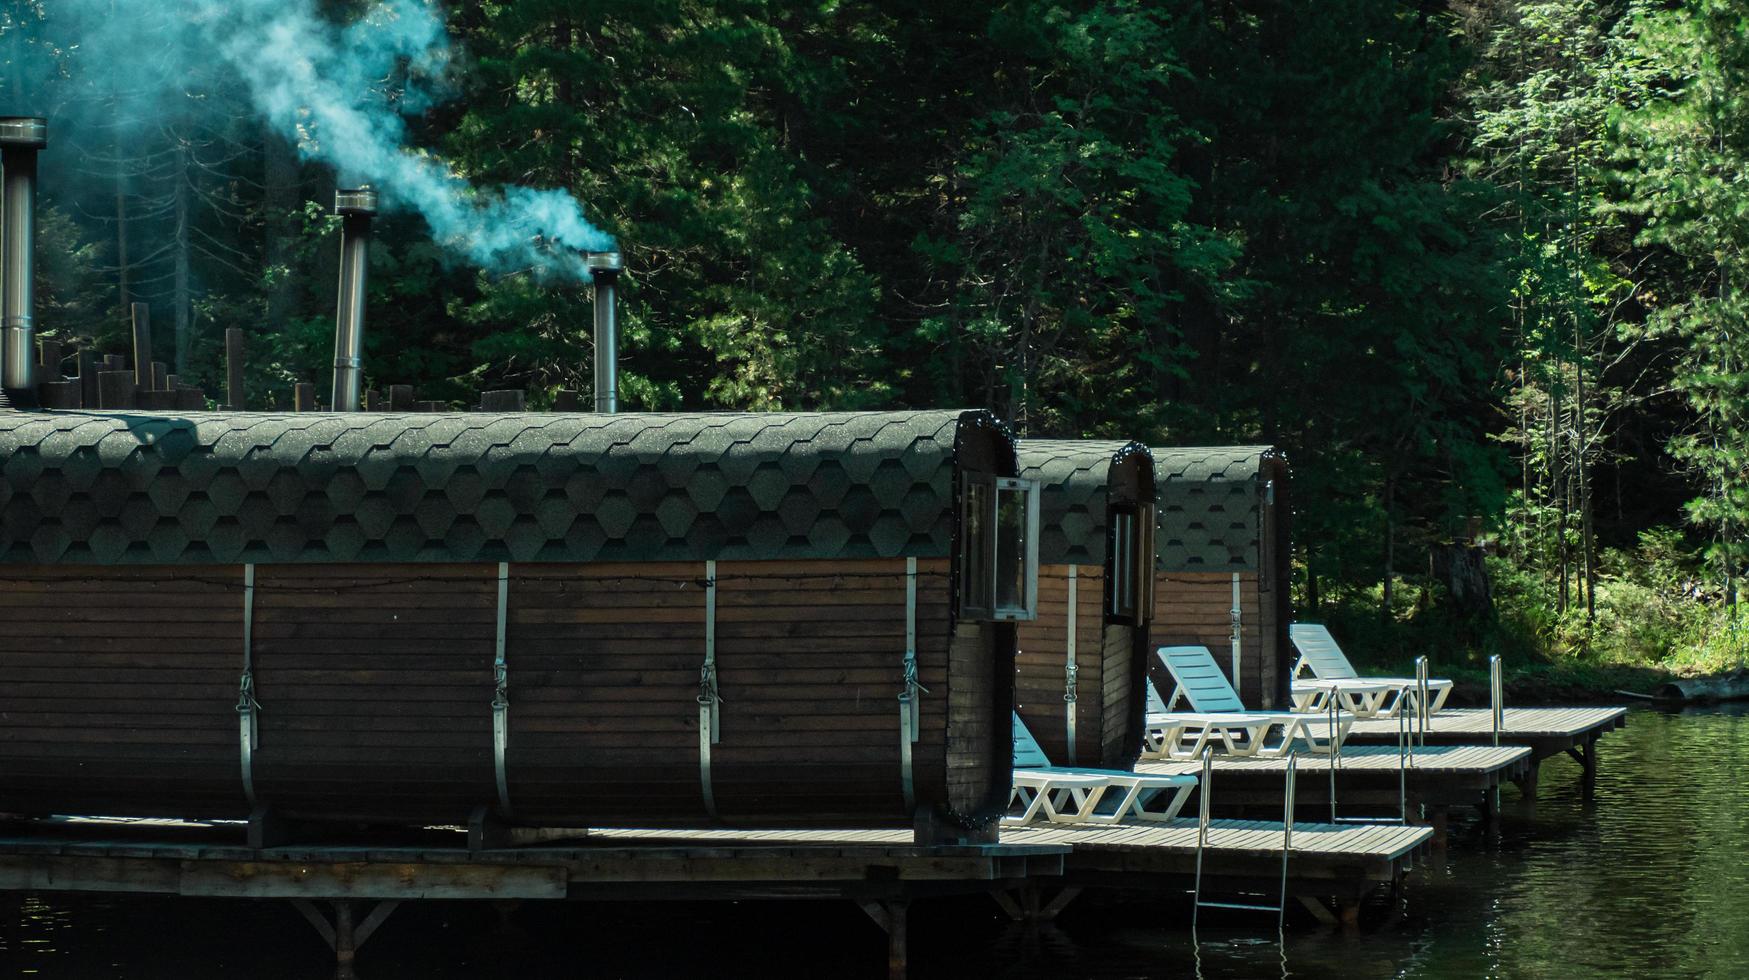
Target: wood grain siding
(979, 766)
(604, 672)
(1039, 680)
(1196, 607)
(1120, 741)
(375, 684)
(118, 689)
(811, 661)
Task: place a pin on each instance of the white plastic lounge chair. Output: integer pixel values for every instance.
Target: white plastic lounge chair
(1086, 795)
(1217, 719)
(1331, 675)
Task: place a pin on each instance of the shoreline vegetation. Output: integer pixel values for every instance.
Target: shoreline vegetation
(1653, 621)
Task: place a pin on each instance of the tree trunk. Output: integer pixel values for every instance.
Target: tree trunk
(1390, 545)
(124, 267)
(181, 298)
(280, 194)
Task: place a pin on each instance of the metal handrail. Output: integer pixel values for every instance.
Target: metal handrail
(1497, 696)
(1405, 759)
(1422, 692)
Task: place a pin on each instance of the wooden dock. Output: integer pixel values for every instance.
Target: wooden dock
(1334, 863)
(1545, 731)
(1367, 780)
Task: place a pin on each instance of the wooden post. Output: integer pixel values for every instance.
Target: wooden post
(373, 400)
(50, 352)
(506, 400)
(400, 398)
(234, 370)
(891, 916)
(142, 318)
(304, 397)
(567, 401)
(115, 390)
(89, 395)
(160, 376)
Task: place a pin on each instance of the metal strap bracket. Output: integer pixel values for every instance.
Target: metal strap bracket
(248, 709)
(1237, 617)
(1071, 671)
(501, 693)
(710, 697)
(910, 696)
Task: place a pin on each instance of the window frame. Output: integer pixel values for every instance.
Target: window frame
(1130, 562)
(980, 560)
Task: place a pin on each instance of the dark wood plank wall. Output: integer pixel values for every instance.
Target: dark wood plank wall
(118, 691)
(811, 661)
(604, 673)
(1195, 607)
(972, 762)
(375, 684)
(1119, 739)
(1039, 681)
(376, 681)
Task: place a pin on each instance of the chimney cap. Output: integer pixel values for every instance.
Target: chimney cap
(603, 262)
(355, 200)
(24, 131)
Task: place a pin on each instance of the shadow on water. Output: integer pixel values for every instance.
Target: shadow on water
(1651, 881)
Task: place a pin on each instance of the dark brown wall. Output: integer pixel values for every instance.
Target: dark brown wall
(1196, 608)
(118, 693)
(376, 681)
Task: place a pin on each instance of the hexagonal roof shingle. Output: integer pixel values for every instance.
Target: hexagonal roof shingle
(221, 487)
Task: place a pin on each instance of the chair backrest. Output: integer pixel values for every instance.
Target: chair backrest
(1156, 704)
(1199, 679)
(1027, 753)
(1319, 653)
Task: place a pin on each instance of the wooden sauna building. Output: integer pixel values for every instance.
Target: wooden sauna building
(578, 620)
(1223, 564)
(1082, 661)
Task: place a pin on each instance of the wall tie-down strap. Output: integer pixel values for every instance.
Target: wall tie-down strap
(248, 709)
(501, 693)
(1234, 635)
(710, 700)
(911, 695)
(1071, 672)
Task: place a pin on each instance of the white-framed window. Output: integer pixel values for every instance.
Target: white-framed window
(999, 549)
(1130, 551)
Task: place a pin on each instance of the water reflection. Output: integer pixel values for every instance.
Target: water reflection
(1651, 882)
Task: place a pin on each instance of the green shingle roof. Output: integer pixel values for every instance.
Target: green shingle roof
(1209, 508)
(216, 487)
(1074, 490)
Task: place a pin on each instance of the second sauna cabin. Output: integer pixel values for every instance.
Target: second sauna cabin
(1222, 564)
(573, 620)
(1082, 662)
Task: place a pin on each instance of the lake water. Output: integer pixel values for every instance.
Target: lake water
(1650, 881)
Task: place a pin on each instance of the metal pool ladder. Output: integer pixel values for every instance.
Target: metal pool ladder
(1202, 836)
(1406, 734)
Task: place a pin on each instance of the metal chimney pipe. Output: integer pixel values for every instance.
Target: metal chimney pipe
(604, 269)
(20, 139)
(356, 206)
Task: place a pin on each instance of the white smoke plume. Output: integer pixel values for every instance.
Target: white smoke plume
(322, 86)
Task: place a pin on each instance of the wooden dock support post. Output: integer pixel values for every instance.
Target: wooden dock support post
(1585, 753)
(891, 916)
(343, 935)
(1527, 784)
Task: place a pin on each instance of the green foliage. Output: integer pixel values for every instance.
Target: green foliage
(1475, 267)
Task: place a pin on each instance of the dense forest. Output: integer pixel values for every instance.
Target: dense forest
(1479, 267)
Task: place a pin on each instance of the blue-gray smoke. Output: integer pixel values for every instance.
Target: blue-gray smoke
(323, 87)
